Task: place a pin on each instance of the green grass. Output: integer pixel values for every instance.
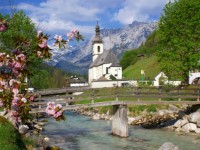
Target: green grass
(10, 139)
(125, 95)
(136, 110)
(149, 64)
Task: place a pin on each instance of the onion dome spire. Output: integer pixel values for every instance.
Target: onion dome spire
(97, 38)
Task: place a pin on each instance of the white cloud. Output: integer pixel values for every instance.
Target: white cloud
(140, 10)
(61, 15)
(60, 26)
(64, 15)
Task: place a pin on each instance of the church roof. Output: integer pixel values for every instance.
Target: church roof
(106, 57)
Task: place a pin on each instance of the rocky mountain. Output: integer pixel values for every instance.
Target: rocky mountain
(77, 59)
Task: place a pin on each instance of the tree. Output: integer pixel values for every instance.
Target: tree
(18, 43)
(180, 38)
(21, 36)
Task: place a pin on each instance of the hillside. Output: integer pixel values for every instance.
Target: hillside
(149, 64)
(142, 58)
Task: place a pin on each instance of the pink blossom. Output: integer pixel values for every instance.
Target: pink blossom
(74, 31)
(31, 98)
(58, 37)
(16, 116)
(51, 104)
(54, 110)
(43, 44)
(2, 27)
(17, 65)
(15, 101)
(11, 82)
(15, 91)
(2, 54)
(1, 103)
(15, 72)
(1, 64)
(70, 36)
(2, 83)
(22, 57)
(15, 113)
(14, 83)
(58, 114)
(50, 111)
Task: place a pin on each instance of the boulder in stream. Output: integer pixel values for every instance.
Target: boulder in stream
(194, 117)
(168, 146)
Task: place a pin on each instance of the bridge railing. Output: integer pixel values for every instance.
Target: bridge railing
(86, 96)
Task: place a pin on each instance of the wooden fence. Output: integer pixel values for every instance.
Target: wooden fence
(86, 96)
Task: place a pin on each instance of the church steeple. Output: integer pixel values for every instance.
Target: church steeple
(97, 38)
(97, 43)
(97, 29)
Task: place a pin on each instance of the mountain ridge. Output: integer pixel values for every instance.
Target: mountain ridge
(79, 57)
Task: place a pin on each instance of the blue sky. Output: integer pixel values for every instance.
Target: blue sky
(61, 16)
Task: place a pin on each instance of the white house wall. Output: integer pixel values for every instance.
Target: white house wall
(110, 83)
(78, 84)
(193, 76)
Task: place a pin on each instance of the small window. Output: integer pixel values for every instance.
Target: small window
(115, 75)
(98, 48)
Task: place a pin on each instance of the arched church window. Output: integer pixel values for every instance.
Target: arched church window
(98, 48)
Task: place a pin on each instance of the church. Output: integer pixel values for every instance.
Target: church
(105, 65)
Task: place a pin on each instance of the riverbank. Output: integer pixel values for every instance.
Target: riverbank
(185, 119)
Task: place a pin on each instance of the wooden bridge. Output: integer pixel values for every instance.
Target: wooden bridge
(119, 98)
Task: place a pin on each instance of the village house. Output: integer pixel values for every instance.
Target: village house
(74, 81)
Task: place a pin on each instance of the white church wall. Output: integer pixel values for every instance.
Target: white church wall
(116, 72)
(97, 52)
(92, 74)
(120, 72)
(97, 73)
(104, 68)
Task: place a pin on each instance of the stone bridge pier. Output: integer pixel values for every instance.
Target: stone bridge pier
(120, 121)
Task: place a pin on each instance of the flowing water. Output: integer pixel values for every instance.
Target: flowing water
(80, 132)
